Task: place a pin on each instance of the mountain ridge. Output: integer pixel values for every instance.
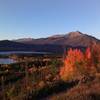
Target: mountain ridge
(72, 38)
(53, 44)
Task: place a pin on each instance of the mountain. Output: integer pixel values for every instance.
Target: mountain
(6, 45)
(55, 44)
(24, 40)
(71, 39)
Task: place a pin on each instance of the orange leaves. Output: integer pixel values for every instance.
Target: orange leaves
(74, 61)
(74, 56)
(88, 53)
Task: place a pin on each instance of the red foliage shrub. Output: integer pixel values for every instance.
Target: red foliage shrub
(96, 56)
(77, 63)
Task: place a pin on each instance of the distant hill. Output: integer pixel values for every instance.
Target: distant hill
(53, 44)
(7, 45)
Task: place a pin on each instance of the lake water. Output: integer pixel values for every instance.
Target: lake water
(9, 61)
(6, 61)
(21, 52)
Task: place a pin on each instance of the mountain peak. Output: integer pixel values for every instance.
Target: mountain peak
(75, 34)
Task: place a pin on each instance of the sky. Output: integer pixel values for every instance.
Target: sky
(43, 18)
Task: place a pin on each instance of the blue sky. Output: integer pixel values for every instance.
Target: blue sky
(42, 18)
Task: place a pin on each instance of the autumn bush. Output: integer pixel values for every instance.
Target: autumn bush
(96, 56)
(78, 63)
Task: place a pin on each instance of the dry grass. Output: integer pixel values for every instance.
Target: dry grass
(90, 91)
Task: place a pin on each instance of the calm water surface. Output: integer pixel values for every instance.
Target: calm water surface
(6, 61)
(9, 60)
(21, 52)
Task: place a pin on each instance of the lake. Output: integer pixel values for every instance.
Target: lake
(6, 61)
(21, 52)
(9, 60)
